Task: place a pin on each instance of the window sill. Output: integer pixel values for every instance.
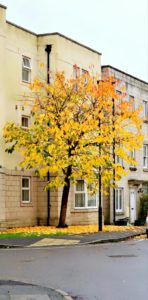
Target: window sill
(28, 204)
(145, 169)
(84, 209)
(26, 128)
(145, 121)
(25, 82)
(132, 168)
(120, 213)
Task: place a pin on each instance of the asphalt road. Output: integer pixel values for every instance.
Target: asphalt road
(116, 271)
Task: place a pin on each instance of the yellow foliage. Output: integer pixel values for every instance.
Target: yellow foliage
(73, 125)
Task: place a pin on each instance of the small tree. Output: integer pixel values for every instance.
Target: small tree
(71, 120)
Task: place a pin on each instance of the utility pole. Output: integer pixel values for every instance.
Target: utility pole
(48, 50)
(100, 181)
(114, 161)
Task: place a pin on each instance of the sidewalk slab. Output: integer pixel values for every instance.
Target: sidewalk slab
(70, 240)
(54, 242)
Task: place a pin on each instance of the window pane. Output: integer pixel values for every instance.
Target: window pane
(26, 62)
(145, 156)
(133, 155)
(80, 185)
(144, 151)
(79, 200)
(25, 122)
(119, 94)
(131, 98)
(75, 72)
(144, 108)
(120, 199)
(145, 189)
(25, 182)
(25, 195)
(26, 75)
(84, 72)
(91, 200)
(116, 199)
(90, 187)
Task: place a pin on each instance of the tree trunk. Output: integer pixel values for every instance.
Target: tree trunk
(65, 199)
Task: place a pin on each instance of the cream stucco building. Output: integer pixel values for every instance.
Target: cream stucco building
(22, 199)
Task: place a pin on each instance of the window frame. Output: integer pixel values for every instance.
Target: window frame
(83, 73)
(145, 157)
(76, 74)
(126, 85)
(76, 71)
(25, 189)
(133, 104)
(119, 160)
(133, 155)
(119, 209)
(26, 68)
(119, 95)
(145, 109)
(86, 193)
(25, 117)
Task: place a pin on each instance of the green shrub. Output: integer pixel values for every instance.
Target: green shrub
(144, 205)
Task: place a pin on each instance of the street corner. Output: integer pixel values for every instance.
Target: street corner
(15, 290)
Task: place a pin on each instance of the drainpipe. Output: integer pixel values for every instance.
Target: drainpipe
(48, 50)
(147, 224)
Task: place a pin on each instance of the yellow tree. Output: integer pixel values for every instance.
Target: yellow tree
(72, 132)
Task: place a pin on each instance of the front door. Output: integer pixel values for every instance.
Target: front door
(132, 206)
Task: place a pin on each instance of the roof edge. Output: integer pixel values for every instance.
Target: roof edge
(127, 74)
(53, 33)
(3, 6)
(22, 28)
(64, 36)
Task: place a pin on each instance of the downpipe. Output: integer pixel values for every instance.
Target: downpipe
(147, 224)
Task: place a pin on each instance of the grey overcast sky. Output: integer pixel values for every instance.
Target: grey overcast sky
(117, 28)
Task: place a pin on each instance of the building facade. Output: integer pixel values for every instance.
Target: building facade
(131, 187)
(22, 199)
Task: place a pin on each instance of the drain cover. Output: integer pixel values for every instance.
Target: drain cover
(122, 255)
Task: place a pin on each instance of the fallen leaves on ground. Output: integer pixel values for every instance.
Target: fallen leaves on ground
(71, 229)
(140, 237)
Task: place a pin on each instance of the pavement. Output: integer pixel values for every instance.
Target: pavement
(70, 240)
(12, 290)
